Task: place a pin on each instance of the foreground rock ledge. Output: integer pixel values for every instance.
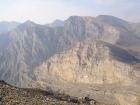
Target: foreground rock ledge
(10, 95)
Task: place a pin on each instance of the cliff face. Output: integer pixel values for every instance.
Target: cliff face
(91, 62)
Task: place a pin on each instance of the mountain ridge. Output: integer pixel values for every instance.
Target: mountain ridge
(57, 41)
(7, 26)
(85, 50)
(56, 23)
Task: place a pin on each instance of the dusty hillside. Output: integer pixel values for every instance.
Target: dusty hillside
(10, 95)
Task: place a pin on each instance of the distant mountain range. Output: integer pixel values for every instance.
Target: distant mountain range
(56, 23)
(10, 31)
(7, 26)
(102, 53)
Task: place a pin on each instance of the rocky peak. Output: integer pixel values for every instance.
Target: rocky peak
(74, 20)
(112, 20)
(56, 23)
(28, 22)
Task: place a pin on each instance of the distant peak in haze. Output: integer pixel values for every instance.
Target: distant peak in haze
(9, 22)
(28, 21)
(109, 18)
(57, 20)
(56, 23)
(80, 18)
(74, 17)
(7, 26)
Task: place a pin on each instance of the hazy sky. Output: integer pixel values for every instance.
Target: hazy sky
(45, 11)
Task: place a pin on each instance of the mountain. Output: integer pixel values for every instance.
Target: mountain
(86, 56)
(92, 62)
(7, 26)
(27, 24)
(56, 23)
(130, 27)
(87, 61)
(12, 35)
(128, 31)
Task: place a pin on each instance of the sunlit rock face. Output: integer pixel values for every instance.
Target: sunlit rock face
(92, 62)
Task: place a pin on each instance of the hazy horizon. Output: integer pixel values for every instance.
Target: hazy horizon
(46, 11)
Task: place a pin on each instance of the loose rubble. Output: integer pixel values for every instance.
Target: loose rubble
(10, 95)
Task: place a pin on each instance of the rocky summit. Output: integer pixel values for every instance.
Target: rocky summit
(95, 57)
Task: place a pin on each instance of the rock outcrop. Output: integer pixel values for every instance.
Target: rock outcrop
(10, 95)
(91, 62)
